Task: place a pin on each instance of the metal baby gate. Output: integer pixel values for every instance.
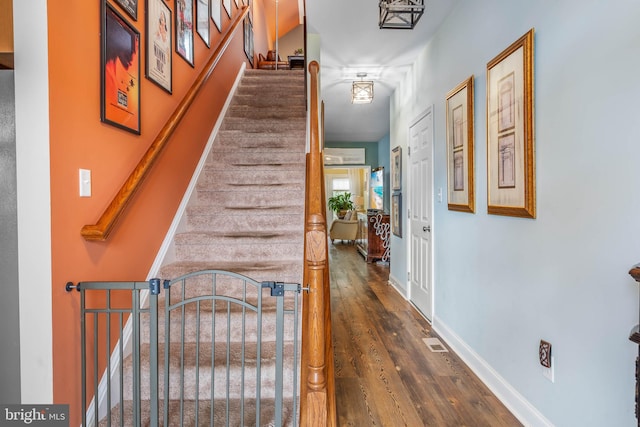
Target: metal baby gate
(209, 350)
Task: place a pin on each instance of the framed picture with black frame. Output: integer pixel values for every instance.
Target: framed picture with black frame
(248, 38)
(396, 214)
(119, 71)
(396, 169)
(159, 53)
(184, 30)
(202, 21)
(216, 14)
(129, 6)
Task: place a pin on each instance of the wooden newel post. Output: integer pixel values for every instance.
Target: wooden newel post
(635, 337)
(316, 266)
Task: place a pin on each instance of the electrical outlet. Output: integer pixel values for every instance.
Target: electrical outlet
(546, 360)
(549, 373)
(544, 352)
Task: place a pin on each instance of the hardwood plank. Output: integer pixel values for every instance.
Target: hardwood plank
(385, 374)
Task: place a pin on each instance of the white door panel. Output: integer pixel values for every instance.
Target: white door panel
(421, 194)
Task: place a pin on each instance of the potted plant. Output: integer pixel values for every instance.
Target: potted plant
(340, 204)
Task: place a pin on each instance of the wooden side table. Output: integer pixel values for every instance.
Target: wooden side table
(296, 62)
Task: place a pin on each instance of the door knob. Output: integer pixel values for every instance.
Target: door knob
(426, 228)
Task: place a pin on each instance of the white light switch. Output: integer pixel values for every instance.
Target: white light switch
(439, 194)
(85, 183)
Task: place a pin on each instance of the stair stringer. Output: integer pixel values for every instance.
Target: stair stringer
(163, 252)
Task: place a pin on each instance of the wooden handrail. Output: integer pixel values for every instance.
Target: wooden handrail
(317, 388)
(104, 226)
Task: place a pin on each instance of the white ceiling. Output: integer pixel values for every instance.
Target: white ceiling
(351, 42)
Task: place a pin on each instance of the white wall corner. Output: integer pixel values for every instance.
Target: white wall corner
(33, 201)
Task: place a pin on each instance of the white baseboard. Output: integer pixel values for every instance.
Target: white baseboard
(514, 401)
(153, 272)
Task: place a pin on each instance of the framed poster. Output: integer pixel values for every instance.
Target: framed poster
(216, 15)
(129, 6)
(510, 139)
(227, 6)
(120, 71)
(159, 53)
(248, 38)
(202, 21)
(396, 169)
(460, 148)
(184, 30)
(396, 214)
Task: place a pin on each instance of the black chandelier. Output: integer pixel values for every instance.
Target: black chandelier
(400, 14)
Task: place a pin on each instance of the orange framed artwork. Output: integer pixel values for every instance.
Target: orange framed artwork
(120, 72)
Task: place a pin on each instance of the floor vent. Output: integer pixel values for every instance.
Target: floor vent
(435, 345)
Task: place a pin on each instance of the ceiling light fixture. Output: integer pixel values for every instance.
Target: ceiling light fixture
(401, 14)
(362, 91)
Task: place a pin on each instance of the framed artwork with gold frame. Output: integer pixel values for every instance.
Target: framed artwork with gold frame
(511, 188)
(460, 148)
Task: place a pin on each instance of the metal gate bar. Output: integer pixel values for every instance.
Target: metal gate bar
(107, 311)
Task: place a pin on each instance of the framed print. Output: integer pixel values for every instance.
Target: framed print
(396, 214)
(184, 30)
(202, 21)
(216, 16)
(159, 53)
(510, 137)
(248, 39)
(460, 148)
(227, 6)
(396, 169)
(129, 6)
(120, 72)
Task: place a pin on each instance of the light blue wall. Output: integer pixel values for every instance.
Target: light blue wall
(502, 284)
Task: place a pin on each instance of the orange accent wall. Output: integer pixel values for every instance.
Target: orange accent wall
(78, 139)
(6, 25)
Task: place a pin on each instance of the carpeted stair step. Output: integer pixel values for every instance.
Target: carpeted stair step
(224, 413)
(245, 197)
(184, 371)
(200, 218)
(293, 179)
(242, 139)
(263, 125)
(257, 157)
(266, 111)
(280, 271)
(225, 251)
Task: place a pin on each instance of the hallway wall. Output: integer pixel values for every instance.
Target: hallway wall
(503, 283)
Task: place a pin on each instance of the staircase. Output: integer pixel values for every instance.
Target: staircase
(245, 216)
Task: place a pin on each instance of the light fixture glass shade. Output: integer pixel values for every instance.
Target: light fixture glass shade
(362, 92)
(402, 14)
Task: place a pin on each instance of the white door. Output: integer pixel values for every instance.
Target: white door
(421, 161)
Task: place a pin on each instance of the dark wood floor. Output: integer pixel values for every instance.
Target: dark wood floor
(385, 373)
